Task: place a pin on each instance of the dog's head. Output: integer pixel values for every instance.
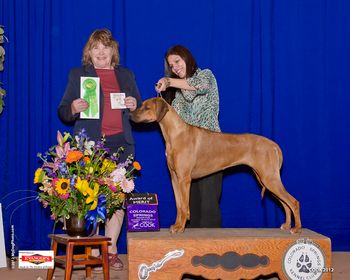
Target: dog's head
(152, 110)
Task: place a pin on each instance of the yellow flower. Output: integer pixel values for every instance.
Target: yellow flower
(108, 166)
(62, 186)
(89, 169)
(82, 186)
(93, 196)
(39, 176)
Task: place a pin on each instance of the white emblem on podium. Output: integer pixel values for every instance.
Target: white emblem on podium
(144, 270)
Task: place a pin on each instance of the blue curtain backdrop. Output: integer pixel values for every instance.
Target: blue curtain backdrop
(283, 72)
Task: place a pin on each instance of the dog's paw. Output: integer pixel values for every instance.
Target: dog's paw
(285, 226)
(295, 230)
(176, 228)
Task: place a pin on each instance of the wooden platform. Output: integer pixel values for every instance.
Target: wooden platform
(229, 254)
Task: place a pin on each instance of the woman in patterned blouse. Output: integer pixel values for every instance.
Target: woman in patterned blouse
(194, 95)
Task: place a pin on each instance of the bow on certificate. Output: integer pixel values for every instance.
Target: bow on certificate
(93, 215)
(90, 96)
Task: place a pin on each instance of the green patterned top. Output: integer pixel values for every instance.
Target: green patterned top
(199, 107)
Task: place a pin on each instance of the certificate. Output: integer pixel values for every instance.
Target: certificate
(117, 100)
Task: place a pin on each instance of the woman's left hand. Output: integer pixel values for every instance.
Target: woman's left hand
(130, 103)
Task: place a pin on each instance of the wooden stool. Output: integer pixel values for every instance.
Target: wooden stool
(69, 260)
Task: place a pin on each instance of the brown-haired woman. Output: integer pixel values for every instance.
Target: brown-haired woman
(195, 98)
(101, 59)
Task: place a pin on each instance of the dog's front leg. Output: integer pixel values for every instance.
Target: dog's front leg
(182, 193)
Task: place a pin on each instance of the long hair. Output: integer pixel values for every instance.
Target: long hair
(186, 55)
(191, 68)
(103, 36)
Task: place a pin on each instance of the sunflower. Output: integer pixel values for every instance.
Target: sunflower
(74, 156)
(39, 176)
(62, 186)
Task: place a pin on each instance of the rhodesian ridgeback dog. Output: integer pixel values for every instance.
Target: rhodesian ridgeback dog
(194, 152)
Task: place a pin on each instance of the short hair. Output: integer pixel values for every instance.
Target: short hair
(185, 54)
(103, 36)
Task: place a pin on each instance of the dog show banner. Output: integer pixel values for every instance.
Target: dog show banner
(142, 212)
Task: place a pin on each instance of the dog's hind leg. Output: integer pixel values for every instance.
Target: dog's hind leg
(290, 205)
(287, 224)
(182, 196)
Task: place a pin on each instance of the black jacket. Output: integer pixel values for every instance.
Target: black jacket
(127, 84)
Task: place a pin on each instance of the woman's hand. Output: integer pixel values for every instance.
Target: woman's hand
(130, 103)
(79, 105)
(162, 84)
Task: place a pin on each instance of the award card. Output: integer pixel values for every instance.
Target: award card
(118, 100)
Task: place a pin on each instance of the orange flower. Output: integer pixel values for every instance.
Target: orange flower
(74, 156)
(87, 159)
(136, 165)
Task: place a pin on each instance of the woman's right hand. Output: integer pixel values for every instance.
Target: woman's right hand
(79, 105)
(162, 84)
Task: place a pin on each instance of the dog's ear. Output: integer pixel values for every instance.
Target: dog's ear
(161, 108)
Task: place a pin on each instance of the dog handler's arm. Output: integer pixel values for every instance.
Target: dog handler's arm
(166, 82)
(203, 81)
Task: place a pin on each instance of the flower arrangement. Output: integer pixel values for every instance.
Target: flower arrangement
(79, 177)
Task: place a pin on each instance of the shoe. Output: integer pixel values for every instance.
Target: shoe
(114, 262)
(97, 269)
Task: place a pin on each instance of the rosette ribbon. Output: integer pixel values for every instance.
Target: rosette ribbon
(99, 212)
(90, 96)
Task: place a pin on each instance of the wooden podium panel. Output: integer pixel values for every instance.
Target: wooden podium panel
(228, 253)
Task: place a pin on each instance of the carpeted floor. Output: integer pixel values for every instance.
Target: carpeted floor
(341, 267)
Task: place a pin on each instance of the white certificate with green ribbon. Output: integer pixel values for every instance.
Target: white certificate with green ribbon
(90, 91)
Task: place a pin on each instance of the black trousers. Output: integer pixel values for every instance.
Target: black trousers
(205, 202)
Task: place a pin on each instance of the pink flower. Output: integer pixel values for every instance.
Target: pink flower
(53, 182)
(127, 186)
(64, 196)
(45, 203)
(112, 188)
(62, 152)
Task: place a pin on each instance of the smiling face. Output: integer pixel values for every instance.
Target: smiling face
(101, 56)
(177, 65)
